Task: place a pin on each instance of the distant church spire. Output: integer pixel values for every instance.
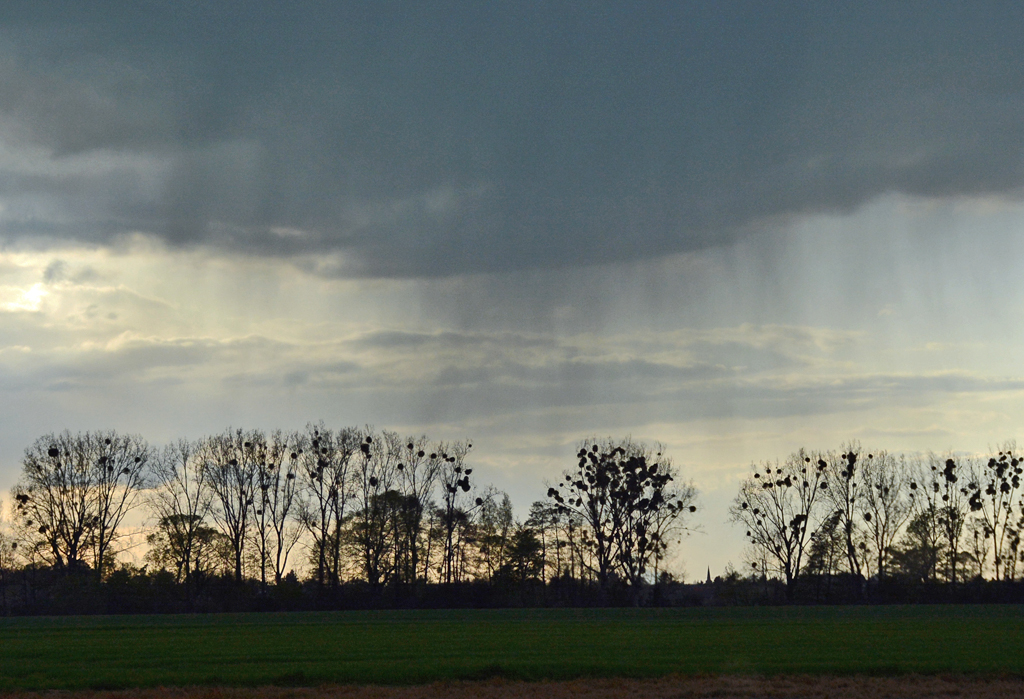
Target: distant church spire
(708, 581)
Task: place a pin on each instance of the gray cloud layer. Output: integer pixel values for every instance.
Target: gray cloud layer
(416, 139)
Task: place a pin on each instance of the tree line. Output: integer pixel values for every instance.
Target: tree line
(334, 518)
(326, 517)
(875, 521)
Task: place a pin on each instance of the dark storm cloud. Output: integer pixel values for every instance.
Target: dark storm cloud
(430, 139)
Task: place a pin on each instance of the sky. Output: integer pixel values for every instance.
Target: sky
(738, 228)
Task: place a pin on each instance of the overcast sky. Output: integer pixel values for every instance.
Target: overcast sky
(737, 228)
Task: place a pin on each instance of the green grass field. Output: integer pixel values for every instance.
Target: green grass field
(399, 647)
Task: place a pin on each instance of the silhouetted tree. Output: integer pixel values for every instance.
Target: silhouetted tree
(996, 486)
(376, 469)
(276, 526)
(921, 542)
(578, 545)
(844, 488)
(625, 494)
(777, 504)
(121, 469)
(457, 507)
(417, 478)
(325, 471)
(232, 462)
(885, 506)
(940, 494)
(953, 512)
(52, 502)
(543, 520)
(524, 559)
(181, 498)
(828, 547)
(175, 543)
(74, 493)
(496, 523)
(917, 554)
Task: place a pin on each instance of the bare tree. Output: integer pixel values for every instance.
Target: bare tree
(376, 471)
(885, 506)
(75, 492)
(277, 529)
(624, 493)
(543, 519)
(232, 465)
(208, 550)
(844, 488)
(261, 534)
(922, 542)
(954, 510)
(458, 506)
(497, 524)
(54, 501)
(324, 468)
(995, 487)
(828, 547)
(417, 478)
(121, 468)
(181, 498)
(778, 503)
(562, 539)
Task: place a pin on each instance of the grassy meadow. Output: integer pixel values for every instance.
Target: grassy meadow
(406, 647)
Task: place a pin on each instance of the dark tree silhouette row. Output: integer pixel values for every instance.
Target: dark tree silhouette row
(321, 513)
(875, 517)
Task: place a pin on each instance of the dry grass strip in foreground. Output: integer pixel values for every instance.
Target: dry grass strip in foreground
(674, 687)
